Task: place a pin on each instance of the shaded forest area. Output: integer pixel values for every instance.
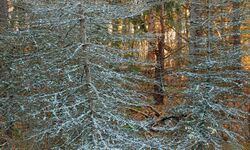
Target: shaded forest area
(124, 74)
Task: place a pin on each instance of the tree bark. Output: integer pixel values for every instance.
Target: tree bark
(235, 38)
(195, 29)
(159, 68)
(151, 29)
(236, 27)
(3, 14)
(178, 37)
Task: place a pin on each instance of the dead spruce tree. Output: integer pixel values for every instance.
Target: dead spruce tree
(74, 96)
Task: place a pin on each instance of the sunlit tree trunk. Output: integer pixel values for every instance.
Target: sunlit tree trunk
(151, 29)
(235, 38)
(236, 26)
(178, 35)
(187, 20)
(235, 41)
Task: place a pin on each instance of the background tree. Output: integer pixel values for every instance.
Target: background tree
(206, 110)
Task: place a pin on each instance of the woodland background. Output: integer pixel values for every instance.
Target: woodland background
(124, 74)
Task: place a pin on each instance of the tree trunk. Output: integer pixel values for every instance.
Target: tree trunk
(196, 30)
(88, 87)
(236, 26)
(151, 29)
(178, 37)
(159, 68)
(235, 38)
(3, 14)
(5, 73)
